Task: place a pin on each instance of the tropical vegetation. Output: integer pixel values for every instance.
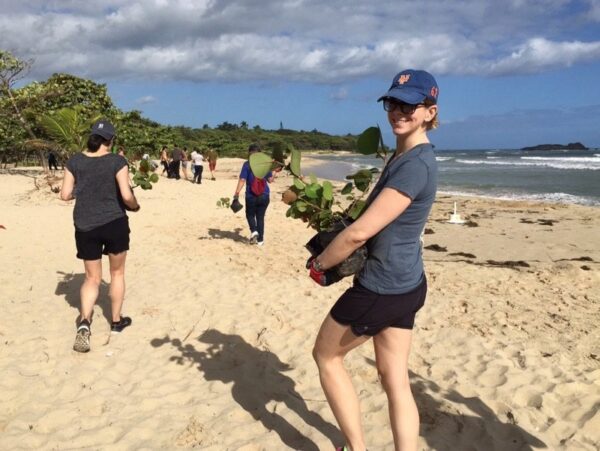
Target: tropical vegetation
(56, 114)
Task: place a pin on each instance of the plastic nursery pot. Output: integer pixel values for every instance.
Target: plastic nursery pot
(321, 240)
(236, 205)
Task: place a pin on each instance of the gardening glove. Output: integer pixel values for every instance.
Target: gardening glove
(323, 278)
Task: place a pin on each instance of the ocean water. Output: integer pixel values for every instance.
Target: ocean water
(554, 176)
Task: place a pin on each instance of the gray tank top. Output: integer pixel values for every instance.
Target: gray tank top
(97, 197)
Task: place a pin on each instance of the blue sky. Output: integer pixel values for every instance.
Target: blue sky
(512, 73)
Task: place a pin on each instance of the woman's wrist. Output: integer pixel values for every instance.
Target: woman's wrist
(317, 264)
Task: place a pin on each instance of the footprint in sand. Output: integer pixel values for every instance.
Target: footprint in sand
(493, 376)
(527, 397)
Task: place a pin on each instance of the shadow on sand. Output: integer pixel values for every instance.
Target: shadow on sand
(258, 379)
(446, 428)
(217, 234)
(69, 288)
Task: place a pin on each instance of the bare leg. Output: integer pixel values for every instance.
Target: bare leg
(333, 342)
(90, 287)
(117, 283)
(392, 348)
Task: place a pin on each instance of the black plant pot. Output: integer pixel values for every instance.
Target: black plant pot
(236, 205)
(321, 240)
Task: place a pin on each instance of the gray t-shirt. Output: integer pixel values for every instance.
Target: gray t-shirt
(177, 154)
(97, 197)
(395, 263)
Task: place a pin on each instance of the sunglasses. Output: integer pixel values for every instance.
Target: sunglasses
(405, 108)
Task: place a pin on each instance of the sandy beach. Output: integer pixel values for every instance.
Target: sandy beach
(506, 352)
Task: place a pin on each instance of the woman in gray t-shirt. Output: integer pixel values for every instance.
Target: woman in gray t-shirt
(391, 287)
(99, 182)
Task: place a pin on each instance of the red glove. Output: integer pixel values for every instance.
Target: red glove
(316, 275)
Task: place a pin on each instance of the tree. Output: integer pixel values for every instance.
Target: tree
(12, 70)
(68, 91)
(68, 128)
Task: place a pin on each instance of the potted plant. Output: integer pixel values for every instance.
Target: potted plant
(320, 205)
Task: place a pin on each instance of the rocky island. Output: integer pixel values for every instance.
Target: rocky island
(570, 146)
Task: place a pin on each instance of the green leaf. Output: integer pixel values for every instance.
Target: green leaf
(312, 190)
(260, 164)
(327, 190)
(347, 188)
(300, 205)
(299, 183)
(154, 178)
(356, 209)
(295, 162)
(313, 178)
(368, 141)
(362, 179)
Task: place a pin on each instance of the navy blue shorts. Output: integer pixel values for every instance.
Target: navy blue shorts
(368, 313)
(111, 238)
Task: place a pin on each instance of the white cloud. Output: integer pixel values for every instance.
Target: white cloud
(145, 100)
(300, 40)
(539, 54)
(339, 94)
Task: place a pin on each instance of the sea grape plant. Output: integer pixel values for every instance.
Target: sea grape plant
(143, 176)
(224, 202)
(318, 203)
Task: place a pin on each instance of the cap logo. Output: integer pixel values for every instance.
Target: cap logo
(434, 92)
(403, 79)
(101, 125)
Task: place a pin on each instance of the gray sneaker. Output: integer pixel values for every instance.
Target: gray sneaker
(82, 338)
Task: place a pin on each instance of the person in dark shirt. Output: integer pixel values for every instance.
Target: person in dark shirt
(175, 165)
(52, 161)
(98, 180)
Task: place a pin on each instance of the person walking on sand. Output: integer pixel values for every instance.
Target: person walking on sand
(175, 165)
(212, 162)
(52, 162)
(198, 160)
(184, 163)
(391, 287)
(257, 198)
(164, 160)
(98, 180)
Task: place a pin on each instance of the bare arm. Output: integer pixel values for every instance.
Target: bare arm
(386, 207)
(125, 189)
(66, 191)
(239, 187)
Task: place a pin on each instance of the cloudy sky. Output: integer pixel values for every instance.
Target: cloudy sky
(511, 72)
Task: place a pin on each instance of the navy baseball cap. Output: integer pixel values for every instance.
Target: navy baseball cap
(104, 129)
(412, 86)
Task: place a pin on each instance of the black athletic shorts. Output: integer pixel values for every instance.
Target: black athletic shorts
(111, 238)
(368, 313)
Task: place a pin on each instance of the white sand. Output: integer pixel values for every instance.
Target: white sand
(219, 353)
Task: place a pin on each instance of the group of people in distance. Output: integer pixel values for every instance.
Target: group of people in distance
(175, 163)
(386, 294)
